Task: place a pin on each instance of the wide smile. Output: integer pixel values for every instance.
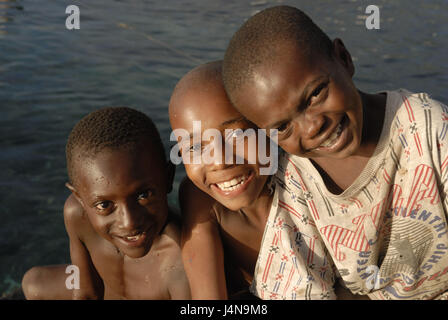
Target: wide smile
(234, 186)
(134, 240)
(337, 139)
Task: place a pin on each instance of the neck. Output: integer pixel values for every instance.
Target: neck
(260, 208)
(374, 109)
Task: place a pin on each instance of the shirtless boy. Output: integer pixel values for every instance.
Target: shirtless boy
(122, 236)
(225, 207)
(371, 168)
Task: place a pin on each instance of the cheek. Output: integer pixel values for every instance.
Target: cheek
(100, 224)
(291, 145)
(343, 93)
(345, 98)
(290, 149)
(260, 183)
(356, 117)
(158, 216)
(158, 211)
(263, 148)
(339, 100)
(196, 174)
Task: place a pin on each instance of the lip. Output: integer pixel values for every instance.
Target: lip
(236, 192)
(134, 243)
(341, 141)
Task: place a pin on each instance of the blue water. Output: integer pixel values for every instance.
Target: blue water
(132, 52)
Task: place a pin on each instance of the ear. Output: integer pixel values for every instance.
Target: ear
(342, 55)
(75, 192)
(171, 172)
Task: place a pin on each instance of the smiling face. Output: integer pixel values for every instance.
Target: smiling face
(124, 194)
(312, 101)
(234, 185)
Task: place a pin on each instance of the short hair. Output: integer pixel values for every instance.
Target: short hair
(110, 127)
(206, 73)
(255, 43)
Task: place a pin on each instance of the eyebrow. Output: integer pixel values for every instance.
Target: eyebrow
(232, 121)
(226, 123)
(142, 186)
(305, 93)
(275, 125)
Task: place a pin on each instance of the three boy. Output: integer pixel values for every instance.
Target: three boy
(366, 178)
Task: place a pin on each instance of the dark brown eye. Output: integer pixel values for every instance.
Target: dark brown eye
(103, 205)
(315, 94)
(283, 127)
(144, 195)
(317, 91)
(196, 148)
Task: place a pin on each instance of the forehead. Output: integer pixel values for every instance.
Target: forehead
(120, 169)
(208, 104)
(276, 86)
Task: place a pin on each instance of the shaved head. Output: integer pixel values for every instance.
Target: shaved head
(200, 78)
(204, 81)
(260, 42)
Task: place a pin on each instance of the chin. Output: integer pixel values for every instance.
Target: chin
(236, 205)
(136, 253)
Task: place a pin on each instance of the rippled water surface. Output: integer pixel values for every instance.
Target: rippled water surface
(132, 52)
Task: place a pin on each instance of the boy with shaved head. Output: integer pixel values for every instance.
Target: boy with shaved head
(372, 169)
(123, 239)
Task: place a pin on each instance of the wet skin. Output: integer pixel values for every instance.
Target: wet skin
(120, 234)
(317, 110)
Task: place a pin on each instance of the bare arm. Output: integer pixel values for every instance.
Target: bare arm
(202, 250)
(90, 283)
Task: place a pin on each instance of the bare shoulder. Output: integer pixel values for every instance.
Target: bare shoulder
(195, 204)
(172, 232)
(74, 218)
(167, 248)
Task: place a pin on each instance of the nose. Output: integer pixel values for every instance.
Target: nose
(221, 154)
(130, 218)
(312, 124)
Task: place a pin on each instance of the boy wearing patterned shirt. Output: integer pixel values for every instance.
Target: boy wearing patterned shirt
(369, 170)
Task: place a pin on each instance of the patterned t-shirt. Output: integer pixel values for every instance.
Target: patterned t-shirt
(387, 233)
(293, 263)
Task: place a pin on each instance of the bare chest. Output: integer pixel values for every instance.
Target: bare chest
(241, 240)
(126, 278)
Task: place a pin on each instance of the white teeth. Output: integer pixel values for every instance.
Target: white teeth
(333, 137)
(133, 238)
(231, 184)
